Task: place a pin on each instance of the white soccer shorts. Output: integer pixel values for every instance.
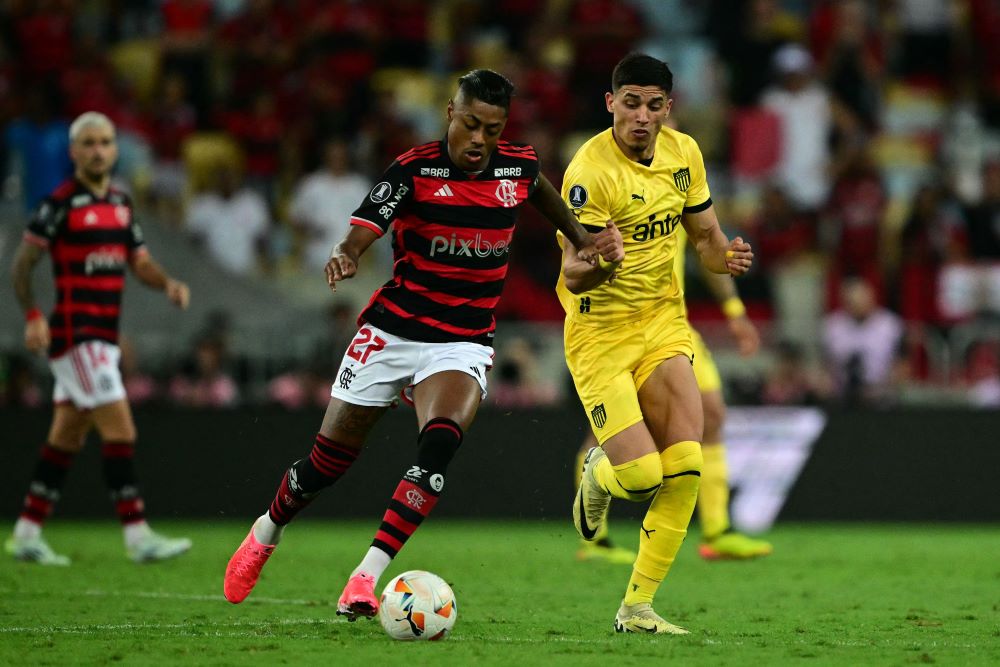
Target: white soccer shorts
(378, 366)
(87, 375)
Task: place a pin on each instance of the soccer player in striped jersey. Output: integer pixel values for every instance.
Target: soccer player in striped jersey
(642, 400)
(427, 332)
(87, 227)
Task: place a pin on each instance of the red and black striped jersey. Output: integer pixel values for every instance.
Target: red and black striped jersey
(451, 240)
(90, 240)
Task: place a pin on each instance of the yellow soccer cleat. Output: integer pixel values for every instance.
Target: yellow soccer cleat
(604, 550)
(734, 546)
(641, 618)
(590, 507)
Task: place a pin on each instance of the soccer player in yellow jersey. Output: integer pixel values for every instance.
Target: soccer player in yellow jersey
(628, 343)
(719, 540)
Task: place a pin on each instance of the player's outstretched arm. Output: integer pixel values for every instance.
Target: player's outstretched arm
(580, 275)
(343, 262)
(548, 202)
(717, 253)
(36, 327)
(742, 328)
(151, 274)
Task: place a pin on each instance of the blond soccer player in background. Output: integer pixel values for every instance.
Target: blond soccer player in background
(628, 343)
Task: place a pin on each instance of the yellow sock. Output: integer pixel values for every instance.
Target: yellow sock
(602, 532)
(713, 494)
(666, 521)
(635, 480)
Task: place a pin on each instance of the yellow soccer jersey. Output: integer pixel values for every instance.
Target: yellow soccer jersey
(646, 203)
(682, 241)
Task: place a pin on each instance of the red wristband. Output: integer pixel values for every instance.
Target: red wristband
(33, 314)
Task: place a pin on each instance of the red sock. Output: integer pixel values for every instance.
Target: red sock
(119, 474)
(46, 483)
(326, 463)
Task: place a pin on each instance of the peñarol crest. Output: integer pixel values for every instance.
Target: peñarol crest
(599, 415)
(682, 179)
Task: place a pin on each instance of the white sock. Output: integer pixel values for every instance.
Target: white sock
(135, 533)
(374, 563)
(25, 529)
(266, 531)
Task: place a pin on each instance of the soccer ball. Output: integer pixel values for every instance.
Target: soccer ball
(418, 605)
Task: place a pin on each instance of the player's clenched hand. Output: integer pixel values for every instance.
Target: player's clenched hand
(739, 257)
(610, 244)
(339, 267)
(588, 253)
(178, 293)
(746, 335)
(36, 335)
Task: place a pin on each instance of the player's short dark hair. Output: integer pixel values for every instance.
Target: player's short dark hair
(487, 86)
(638, 69)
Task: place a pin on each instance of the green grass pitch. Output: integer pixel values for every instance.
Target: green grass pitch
(830, 595)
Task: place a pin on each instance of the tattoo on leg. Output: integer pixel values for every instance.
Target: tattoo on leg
(356, 420)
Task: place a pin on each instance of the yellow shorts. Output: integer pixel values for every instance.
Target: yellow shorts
(705, 370)
(609, 365)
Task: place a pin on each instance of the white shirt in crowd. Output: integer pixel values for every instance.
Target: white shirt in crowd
(324, 202)
(806, 121)
(874, 341)
(231, 227)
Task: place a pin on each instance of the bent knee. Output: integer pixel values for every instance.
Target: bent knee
(641, 477)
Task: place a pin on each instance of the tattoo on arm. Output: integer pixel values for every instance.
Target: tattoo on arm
(24, 263)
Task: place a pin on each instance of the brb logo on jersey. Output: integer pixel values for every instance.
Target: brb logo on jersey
(507, 193)
(468, 247)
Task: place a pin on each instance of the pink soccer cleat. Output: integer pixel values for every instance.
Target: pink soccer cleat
(244, 568)
(358, 598)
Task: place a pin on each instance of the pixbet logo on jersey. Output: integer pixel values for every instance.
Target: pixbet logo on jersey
(468, 247)
(105, 259)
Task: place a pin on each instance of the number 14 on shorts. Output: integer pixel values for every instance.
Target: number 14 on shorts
(364, 344)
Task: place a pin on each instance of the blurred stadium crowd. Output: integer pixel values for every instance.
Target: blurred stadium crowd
(855, 144)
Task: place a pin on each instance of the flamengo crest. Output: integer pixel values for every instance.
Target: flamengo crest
(507, 193)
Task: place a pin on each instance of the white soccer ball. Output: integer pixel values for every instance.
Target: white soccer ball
(418, 605)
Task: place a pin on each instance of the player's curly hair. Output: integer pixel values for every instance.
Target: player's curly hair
(638, 69)
(487, 86)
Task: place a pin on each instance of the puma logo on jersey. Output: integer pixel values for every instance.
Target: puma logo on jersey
(641, 197)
